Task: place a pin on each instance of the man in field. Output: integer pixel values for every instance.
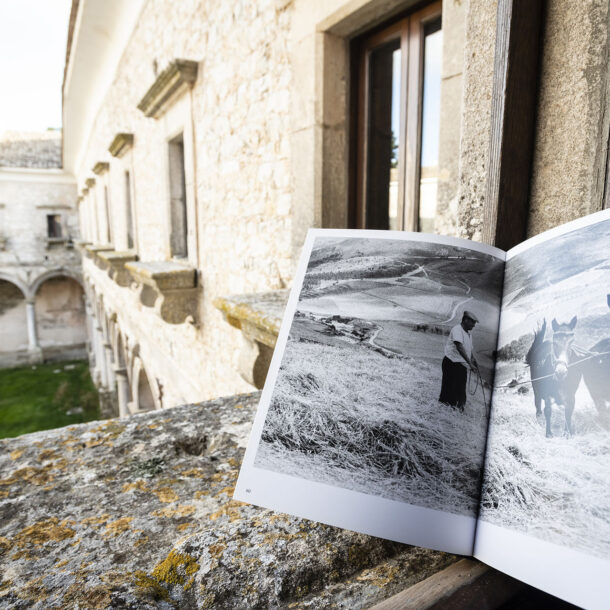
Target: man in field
(459, 357)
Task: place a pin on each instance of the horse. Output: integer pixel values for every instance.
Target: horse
(595, 374)
(554, 374)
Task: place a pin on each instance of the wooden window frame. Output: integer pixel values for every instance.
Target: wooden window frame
(410, 29)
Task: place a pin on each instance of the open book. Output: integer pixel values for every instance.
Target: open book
(512, 464)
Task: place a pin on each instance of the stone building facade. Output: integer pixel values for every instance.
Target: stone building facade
(206, 138)
(42, 310)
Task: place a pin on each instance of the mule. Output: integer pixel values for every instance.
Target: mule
(596, 371)
(555, 372)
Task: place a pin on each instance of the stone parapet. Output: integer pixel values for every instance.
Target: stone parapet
(168, 286)
(138, 513)
(259, 317)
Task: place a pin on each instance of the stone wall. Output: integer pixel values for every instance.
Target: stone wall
(571, 151)
(29, 259)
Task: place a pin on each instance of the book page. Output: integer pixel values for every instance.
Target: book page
(545, 506)
(350, 430)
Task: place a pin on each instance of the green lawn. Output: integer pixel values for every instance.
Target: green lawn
(38, 397)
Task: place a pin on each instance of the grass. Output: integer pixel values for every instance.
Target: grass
(354, 418)
(38, 397)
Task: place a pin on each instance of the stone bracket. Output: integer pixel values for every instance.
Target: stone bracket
(91, 250)
(170, 287)
(258, 316)
(114, 263)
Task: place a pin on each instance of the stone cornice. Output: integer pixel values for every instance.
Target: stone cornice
(90, 182)
(121, 143)
(100, 167)
(173, 81)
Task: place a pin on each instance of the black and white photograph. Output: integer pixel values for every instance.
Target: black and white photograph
(548, 457)
(384, 382)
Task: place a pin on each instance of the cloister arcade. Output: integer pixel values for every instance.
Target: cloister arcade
(43, 319)
(116, 365)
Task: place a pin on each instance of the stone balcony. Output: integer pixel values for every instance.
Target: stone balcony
(168, 286)
(258, 316)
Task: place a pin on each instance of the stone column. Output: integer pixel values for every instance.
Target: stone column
(35, 351)
(109, 357)
(100, 356)
(122, 390)
(31, 319)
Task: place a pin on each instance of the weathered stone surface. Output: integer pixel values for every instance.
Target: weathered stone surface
(138, 513)
(258, 315)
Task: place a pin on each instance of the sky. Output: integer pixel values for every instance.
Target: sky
(33, 37)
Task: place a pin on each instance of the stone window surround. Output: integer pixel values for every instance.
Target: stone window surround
(178, 120)
(328, 179)
(169, 100)
(121, 148)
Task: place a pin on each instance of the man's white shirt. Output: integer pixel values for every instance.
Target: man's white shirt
(458, 334)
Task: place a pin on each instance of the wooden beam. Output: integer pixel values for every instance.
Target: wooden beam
(513, 113)
(465, 584)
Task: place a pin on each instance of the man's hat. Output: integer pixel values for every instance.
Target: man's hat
(469, 314)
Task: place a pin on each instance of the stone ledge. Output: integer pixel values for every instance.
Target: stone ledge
(91, 250)
(259, 317)
(121, 143)
(115, 265)
(168, 286)
(172, 82)
(138, 513)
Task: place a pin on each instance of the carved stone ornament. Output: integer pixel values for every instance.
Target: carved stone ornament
(121, 144)
(114, 264)
(171, 83)
(258, 316)
(170, 287)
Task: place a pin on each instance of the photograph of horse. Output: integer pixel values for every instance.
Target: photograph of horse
(549, 477)
(556, 371)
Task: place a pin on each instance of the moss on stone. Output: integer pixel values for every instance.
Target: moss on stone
(149, 587)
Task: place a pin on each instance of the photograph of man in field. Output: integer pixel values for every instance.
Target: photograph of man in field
(459, 358)
(356, 399)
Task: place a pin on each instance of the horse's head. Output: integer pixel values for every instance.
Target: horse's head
(563, 337)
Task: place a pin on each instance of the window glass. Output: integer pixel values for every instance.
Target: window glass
(431, 115)
(396, 121)
(54, 226)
